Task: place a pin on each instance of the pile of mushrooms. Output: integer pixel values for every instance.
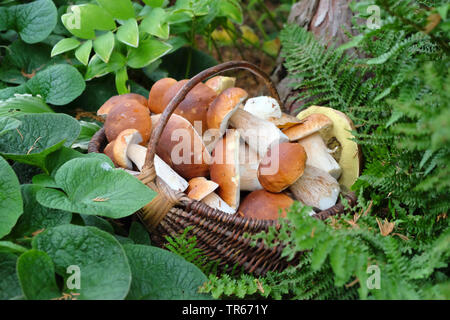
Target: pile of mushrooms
(237, 154)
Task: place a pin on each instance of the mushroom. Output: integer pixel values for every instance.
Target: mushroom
(128, 99)
(109, 152)
(127, 151)
(282, 166)
(202, 190)
(224, 169)
(264, 205)
(248, 168)
(316, 188)
(182, 148)
(194, 106)
(285, 121)
(348, 154)
(308, 134)
(263, 107)
(220, 83)
(157, 92)
(124, 116)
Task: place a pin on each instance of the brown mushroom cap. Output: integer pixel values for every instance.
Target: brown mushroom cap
(155, 97)
(125, 116)
(220, 83)
(224, 169)
(109, 151)
(190, 158)
(124, 139)
(200, 187)
(282, 166)
(311, 124)
(127, 99)
(264, 205)
(222, 108)
(194, 106)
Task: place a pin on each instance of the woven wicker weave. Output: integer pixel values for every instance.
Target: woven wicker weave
(219, 235)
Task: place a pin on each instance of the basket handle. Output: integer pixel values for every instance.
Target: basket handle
(205, 74)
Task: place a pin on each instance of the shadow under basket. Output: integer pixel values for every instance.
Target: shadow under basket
(219, 235)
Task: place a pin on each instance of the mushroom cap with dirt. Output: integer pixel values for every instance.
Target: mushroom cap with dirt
(124, 116)
(128, 99)
(264, 205)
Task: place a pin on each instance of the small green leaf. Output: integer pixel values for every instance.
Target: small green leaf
(9, 283)
(155, 23)
(37, 276)
(104, 269)
(139, 234)
(154, 3)
(160, 274)
(24, 103)
(121, 81)
(83, 52)
(232, 10)
(11, 206)
(11, 247)
(128, 33)
(37, 136)
(104, 45)
(93, 186)
(120, 9)
(7, 124)
(94, 221)
(88, 129)
(148, 51)
(58, 84)
(65, 45)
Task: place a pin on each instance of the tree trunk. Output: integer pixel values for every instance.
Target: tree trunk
(329, 20)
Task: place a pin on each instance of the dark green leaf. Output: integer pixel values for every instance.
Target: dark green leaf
(9, 283)
(139, 234)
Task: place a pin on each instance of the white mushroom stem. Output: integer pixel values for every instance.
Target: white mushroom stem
(137, 154)
(248, 168)
(263, 107)
(319, 155)
(259, 134)
(316, 188)
(214, 201)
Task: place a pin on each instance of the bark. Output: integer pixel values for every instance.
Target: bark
(329, 20)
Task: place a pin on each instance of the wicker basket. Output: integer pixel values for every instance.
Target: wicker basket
(219, 235)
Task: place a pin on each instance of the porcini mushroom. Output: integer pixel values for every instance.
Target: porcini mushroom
(127, 151)
(308, 134)
(155, 97)
(128, 99)
(220, 83)
(224, 169)
(347, 154)
(263, 107)
(264, 205)
(248, 168)
(285, 121)
(316, 188)
(282, 166)
(124, 116)
(202, 189)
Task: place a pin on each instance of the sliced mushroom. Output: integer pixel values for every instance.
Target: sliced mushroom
(155, 97)
(264, 205)
(127, 151)
(124, 116)
(224, 168)
(220, 83)
(308, 134)
(316, 188)
(200, 187)
(263, 107)
(128, 99)
(282, 166)
(248, 168)
(347, 154)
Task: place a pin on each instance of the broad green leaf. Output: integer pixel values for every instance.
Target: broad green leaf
(94, 221)
(11, 206)
(9, 283)
(34, 21)
(155, 23)
(148, 51)
(154, 3)
(104, 45)
(24, 103)
(83, 52)
(232, 10)
(35, 216)
(139, 234)
(11, 247)
(128, 33)
(58, 84)
(44, 180)
(84, 19)
(93, 186)
(104, 269)
(120, 9)
(97, 68)
(160, 274)
(7, 123)
(38, 136)
(37, 276)
(121, 81)
(65, 45)
(11, 91)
